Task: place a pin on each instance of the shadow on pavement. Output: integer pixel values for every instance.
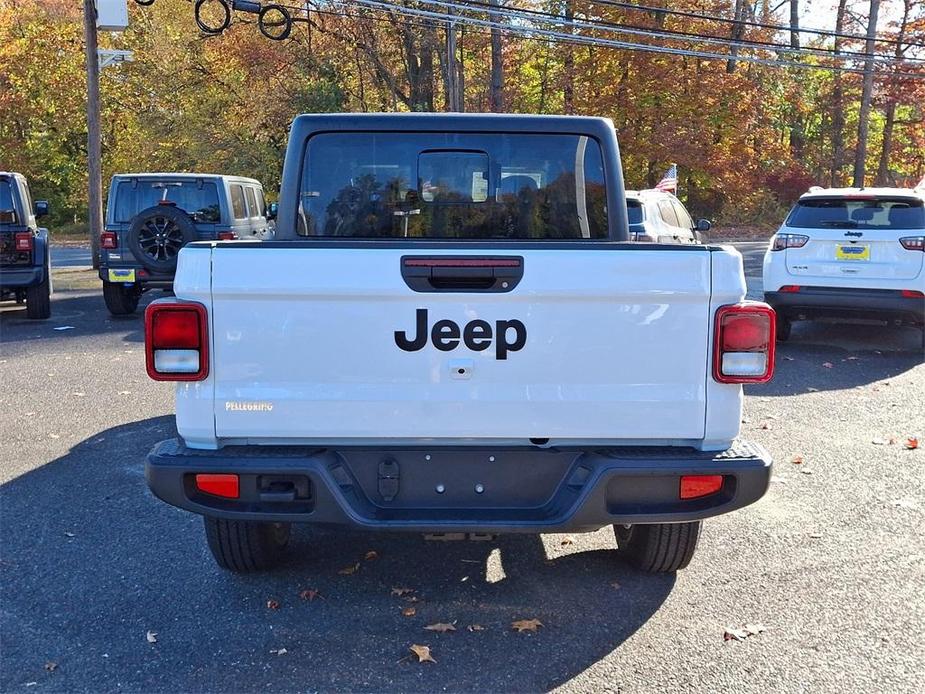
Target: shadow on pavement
(857, 354)
(91, 562)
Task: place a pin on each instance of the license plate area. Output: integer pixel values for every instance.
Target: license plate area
(435, 479)
(852, 251)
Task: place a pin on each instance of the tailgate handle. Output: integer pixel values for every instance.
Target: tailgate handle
(462, 273)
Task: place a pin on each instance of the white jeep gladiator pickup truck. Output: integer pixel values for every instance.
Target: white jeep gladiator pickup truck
(451, 334)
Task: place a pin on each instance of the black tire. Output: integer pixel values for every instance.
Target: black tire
(658, 548)
(38, 298)
(121, 300)
(784, 325)
(156, 236)
(243, 546)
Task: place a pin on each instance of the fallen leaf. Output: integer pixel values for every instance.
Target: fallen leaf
(788, 358)
(409, 612)
(125, 392)
(279, 651)
(67, 534)
(309, 594)
(400, 592)
(64, 327)
(272, 605)
(615, 584)
(880, 442)
(568, 541)
(912, 443)
(440, 627)
(464, 579)
(815, 536)
(352, 569)
(806, 471)
(50, 666)
(475, 627)
(797, 460)
(412, 599)
(151, 637)
(371, 555)
(812, 390)
(31, 684)
(735, 635)
(423, 653)
(828, 364)
(850, 359)
(522, 625)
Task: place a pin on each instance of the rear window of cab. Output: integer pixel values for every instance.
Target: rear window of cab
(453, 186)
(858, 213)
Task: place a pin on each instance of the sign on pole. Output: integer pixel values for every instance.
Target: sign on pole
(111, 15)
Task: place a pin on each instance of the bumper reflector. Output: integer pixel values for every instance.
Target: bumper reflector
(696, 486)
(218, 485)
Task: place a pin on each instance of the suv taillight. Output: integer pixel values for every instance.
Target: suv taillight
(109, 241)
(913, 243)
(782, 241)
(23, 241)
(176, 340)
(743, 343)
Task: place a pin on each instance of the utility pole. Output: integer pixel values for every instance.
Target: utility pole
(860, 154)
(452, 71)
(94, 150)
(497, 78)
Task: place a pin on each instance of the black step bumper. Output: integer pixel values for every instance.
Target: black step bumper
(522, 489)
(841, 302)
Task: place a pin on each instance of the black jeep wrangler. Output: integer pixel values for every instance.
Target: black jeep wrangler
(25, 263)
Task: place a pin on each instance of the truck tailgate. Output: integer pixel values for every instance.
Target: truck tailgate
(615, 348)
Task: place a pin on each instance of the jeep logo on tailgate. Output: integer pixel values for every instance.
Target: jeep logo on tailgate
(476, 334)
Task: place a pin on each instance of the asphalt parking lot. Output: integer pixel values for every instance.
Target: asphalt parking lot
(831, 562)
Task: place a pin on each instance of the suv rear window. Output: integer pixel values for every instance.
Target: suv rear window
(852, 213)
(199, 199)
(453, 186)
(634, 212)
(7, 206)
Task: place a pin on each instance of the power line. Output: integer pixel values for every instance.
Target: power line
(597, 41)
(752, 23)
(635, 30)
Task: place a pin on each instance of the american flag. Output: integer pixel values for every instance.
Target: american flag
(669, 182)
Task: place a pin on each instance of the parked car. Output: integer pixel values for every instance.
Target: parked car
(25, 260)
(443, 339)
(659, 217)
(849, 253)
(151, 216)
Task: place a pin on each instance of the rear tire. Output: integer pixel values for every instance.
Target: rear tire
(244, 546)
(784, 326)
(658, 548)
(121, 300)
(38, 298)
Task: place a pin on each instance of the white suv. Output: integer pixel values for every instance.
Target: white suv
(659, 217)
(851, 253)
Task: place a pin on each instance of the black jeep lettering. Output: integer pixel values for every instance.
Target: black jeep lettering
(477, 335)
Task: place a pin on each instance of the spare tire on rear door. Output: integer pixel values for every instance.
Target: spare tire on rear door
(157, 234)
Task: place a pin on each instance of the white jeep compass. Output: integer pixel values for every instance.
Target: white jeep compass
(849, 253)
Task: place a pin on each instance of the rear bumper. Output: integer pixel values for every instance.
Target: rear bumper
(523, 490)
(822, 302)
(12, 277)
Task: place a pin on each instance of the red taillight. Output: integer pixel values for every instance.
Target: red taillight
(218, 485)
(790, 288)
(227, 236)
(912, 294)
(696, 486)
(743, 343)
(783, 241)
(913, 243)
(108, 241)
(24, 241)
(176, 341)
